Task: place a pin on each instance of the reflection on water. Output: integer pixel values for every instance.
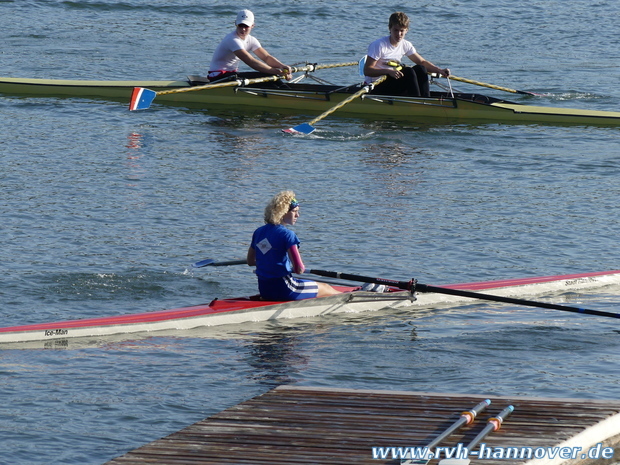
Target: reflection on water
(134, 142)
(134, 145)
(403, 166)
(275, 357)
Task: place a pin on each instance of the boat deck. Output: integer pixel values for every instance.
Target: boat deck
(312, 426)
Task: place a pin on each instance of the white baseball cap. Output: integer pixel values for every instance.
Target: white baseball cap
(245, 17)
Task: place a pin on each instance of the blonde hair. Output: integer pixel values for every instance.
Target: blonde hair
(399, 19)
(278, 206)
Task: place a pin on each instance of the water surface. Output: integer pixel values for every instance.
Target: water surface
(104, 210)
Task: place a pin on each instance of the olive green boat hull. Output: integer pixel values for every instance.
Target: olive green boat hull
(313, 99)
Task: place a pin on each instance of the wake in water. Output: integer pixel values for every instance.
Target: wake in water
(332, 135)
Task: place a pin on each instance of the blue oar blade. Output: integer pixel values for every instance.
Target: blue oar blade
(303, 128)
(141, 98)
(202, 263)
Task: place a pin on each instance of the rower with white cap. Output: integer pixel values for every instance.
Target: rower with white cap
(239, 45)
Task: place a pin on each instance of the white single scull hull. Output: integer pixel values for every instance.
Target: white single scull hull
(247, 310)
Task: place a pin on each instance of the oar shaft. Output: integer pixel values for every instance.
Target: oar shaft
(406, 285)
(231, 262)
(211, 262)
(493, 424)
(414, 286)
(336, 65)
(307, 128)
(484, 84)
(467, 417)
(357, 94)
(238, 82)
(490, 86)
(245, 82)
(511, 300)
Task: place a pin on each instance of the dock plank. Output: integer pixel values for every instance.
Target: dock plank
(298, 425)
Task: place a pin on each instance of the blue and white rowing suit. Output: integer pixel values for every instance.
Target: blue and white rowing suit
(274, 268)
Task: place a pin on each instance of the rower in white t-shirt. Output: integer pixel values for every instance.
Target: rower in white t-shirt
(238, 46)
(407, 81)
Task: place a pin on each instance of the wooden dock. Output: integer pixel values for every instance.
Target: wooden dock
(318, 426)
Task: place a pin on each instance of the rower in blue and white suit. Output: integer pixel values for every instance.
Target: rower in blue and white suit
(275, 253)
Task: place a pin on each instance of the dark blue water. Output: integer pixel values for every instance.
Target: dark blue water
(103, 211)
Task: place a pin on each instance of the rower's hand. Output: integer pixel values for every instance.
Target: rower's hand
(396, 73)
(287, 71)
(444, 72)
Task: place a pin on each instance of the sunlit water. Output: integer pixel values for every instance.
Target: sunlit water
(103, 212)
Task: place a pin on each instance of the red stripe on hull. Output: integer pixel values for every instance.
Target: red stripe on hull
(525, 281)
(216, 306)
(248, 303)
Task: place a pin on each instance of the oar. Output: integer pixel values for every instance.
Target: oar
(493, 424)
(466, 418)
(307, 128)
(490, 86)
(211, 262)
(414, 286)
(141, 98)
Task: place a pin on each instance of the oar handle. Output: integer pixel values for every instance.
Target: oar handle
(493, 424)
(467, 418)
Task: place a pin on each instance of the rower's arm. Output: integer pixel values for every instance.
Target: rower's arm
(270, 59)
(372, 70)
(431, 68)
(273, 66)
(251, 258)
(298, 264)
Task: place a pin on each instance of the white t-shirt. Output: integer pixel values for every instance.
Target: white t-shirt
(224, 58)
(383, 51)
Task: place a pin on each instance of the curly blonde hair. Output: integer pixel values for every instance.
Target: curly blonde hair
(278, 206)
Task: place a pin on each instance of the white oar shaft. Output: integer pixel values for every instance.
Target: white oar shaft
(484, 84)
(336, 65)
(246, 82)
(357, 94)
(239, 82)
